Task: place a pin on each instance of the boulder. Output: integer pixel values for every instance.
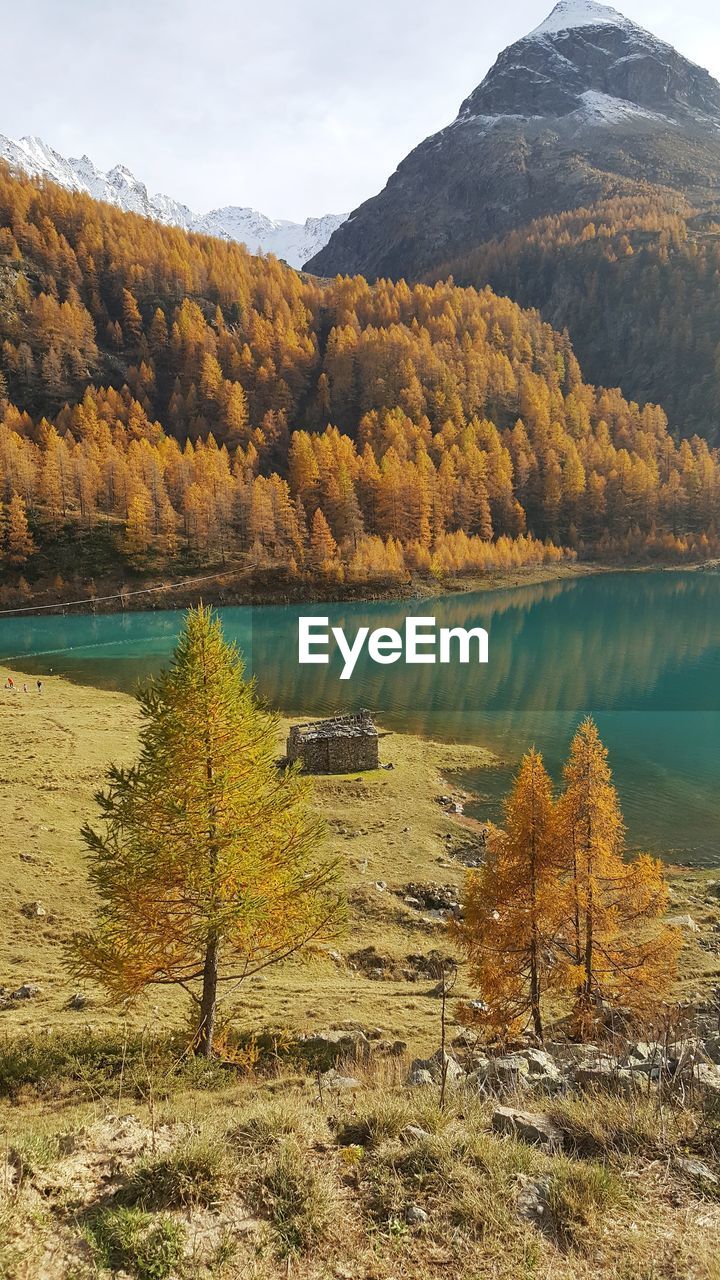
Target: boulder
(420, 1076)
(333, 1080)
(33, 910)
(530, 1126)
(684, 922)
(533, 1199)
(510, 1071)
(352, 1045)
(434, 1065)
(27, 991)
(605, 1076)
(707, 1081)
(697, 1171)
(415, 1216)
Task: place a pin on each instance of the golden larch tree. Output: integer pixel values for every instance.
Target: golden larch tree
(18, 538)
(207, 861)
(617, 950)
(511, 914)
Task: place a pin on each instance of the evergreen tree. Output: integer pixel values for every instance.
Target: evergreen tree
(207, 862)
(511, 914)
(616, 951)
(18, 539)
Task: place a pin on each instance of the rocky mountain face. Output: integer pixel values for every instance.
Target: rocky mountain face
(589, 106)
(293, 241)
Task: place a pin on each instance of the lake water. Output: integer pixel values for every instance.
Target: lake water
(640, 651)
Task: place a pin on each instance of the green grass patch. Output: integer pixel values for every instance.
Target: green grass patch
(198, 1172)
(147, 1246)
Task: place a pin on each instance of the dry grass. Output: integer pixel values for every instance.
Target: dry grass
(244, 1183)
(385, 825)
(122, 1153)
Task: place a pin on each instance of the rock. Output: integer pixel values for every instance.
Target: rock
(419, 1076)
(33, 910)
(413, 1133)
(697, 1171)
(530, 1126)
(533, 1199)
(510, 1071)
(712, 1049)
(415, 1216)
(684, 922)
(78, 1001)
(343, 1043)
(27, 991)
(607, 1077)
(477, 1079)
(333, 1080)
(380, 885)
(397, 1048)
(542, 1067)
(434, 1066)
(707, 1080)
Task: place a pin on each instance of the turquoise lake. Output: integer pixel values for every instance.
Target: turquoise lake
(640, 651)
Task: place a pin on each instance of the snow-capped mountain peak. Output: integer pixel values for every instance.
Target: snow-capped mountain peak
(569, 14)
(295, 242)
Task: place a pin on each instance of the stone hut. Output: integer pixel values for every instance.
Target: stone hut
(341, 745)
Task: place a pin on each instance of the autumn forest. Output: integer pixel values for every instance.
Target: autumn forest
(169, 401)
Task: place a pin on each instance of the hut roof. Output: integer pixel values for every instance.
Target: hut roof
(348, 726)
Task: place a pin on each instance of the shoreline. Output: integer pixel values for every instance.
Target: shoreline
(121, 596)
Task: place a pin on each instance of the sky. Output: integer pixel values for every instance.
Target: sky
(294, 107)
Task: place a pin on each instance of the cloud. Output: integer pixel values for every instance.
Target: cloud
(294, 109)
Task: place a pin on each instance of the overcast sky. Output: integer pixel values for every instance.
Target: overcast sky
(292, 107)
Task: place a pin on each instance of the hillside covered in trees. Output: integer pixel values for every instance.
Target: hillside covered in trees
(635, 282)
(169, 400)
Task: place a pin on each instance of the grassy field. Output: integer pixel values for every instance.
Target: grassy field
(123, 1157)
(388, 828)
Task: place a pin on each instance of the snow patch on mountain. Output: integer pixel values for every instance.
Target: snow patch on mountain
(603, 108)
(296, 242)
(570, 14)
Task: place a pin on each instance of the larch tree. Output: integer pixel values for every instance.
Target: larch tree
(617, 950)
(323, 547)
(511, 914)
(206, 861)
(18, 538)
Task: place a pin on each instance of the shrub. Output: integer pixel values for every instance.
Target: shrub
(295, 1198)
(195, 1173)
(86, 1062)
(578, 1197)
(128, 1239)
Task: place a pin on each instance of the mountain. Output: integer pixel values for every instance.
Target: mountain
(170, 400)
(293, 241)
(588, 106)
